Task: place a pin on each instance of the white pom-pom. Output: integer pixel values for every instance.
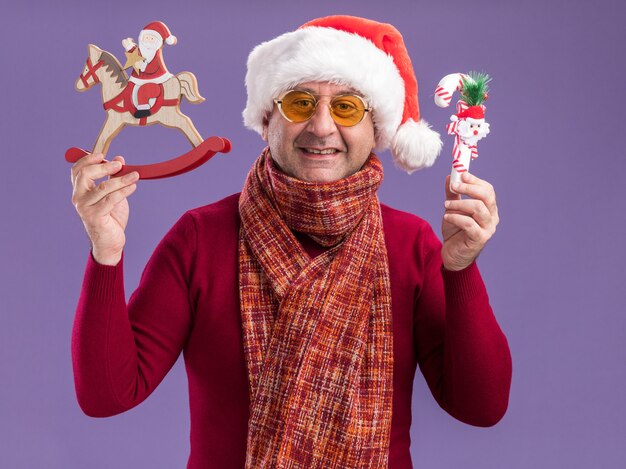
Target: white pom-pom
(171, 40)
(415, 146)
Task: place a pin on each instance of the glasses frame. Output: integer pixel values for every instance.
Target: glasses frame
(279, 103)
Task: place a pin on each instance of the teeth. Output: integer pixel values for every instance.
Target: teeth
(321, 152)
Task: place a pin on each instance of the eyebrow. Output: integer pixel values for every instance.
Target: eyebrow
(343, 91)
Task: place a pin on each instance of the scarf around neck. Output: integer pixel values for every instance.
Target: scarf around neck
(317, 332)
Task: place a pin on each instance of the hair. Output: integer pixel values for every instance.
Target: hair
(114, 68)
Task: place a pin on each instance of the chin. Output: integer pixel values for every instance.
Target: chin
(319, 178)
(321, 175)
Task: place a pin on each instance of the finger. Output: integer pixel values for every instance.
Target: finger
(85, 197)
(471, 228)
(85, 182)
(84, 161)
(88, 174)
(105, 205)
(119, 158)
(84, 179)
(477, 189)
(108, 186)
(449, 194)
(473, 208)
(470, 178)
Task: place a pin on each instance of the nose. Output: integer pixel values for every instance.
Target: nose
(475, 132)
(322, 123)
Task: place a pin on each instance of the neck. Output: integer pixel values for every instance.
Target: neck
(110, 89)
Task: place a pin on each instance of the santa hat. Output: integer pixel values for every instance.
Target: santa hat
(473, 112)
(366, 55)
(161, 30)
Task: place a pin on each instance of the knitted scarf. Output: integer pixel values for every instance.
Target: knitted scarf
(317, 332)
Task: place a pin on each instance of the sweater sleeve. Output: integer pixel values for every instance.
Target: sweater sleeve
(120, 351)
(461, 350)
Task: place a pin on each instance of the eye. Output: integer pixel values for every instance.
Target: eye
(299, 102)
(344, 107)
(304, 103)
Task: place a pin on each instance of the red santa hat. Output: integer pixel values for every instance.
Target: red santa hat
(366, 55)
(160, 29)
(473, 112)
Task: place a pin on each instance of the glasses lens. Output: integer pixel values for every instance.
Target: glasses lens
(298, 106)
(347, 110)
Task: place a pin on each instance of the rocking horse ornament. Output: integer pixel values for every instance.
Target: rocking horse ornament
(151, 95)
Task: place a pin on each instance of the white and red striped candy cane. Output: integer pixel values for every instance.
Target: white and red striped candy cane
(462, 153)
(461, 106)
(447, 86)
(457, 164)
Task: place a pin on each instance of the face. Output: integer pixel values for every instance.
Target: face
(149, 44)
(318, 150)
(473, 131)
(150, 39)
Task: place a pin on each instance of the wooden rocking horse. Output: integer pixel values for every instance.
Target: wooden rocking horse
(102, 67)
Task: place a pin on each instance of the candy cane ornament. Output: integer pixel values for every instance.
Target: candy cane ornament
(468, 124)
(447, 86)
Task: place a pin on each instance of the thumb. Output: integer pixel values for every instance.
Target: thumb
(120, 159)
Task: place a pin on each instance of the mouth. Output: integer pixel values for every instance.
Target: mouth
(319, 152)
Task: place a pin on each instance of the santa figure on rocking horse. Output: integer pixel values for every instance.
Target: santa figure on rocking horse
(151, 95)
(149, 69)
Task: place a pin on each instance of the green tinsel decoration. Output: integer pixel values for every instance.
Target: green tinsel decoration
(474, 94)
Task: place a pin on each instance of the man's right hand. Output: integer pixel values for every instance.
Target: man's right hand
(103, 207)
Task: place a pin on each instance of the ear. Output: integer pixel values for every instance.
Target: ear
(94, 53)
(264, 132)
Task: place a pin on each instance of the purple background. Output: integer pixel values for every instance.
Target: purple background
(554, 269)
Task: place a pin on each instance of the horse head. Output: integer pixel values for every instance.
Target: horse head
(89, 77)
(101, 66)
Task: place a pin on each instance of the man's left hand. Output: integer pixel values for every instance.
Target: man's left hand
(467, 223)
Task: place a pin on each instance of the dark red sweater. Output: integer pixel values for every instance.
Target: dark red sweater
(187, 300)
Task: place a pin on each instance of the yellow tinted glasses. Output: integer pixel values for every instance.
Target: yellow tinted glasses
(299, 106)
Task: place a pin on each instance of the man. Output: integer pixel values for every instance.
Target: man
(150, 71)
(302, 305)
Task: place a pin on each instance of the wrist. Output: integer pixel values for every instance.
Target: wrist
(110, 259)
(457, 266)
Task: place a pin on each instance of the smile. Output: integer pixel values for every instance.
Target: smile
(314, 151)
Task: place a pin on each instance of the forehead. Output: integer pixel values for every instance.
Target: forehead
(324, 88)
